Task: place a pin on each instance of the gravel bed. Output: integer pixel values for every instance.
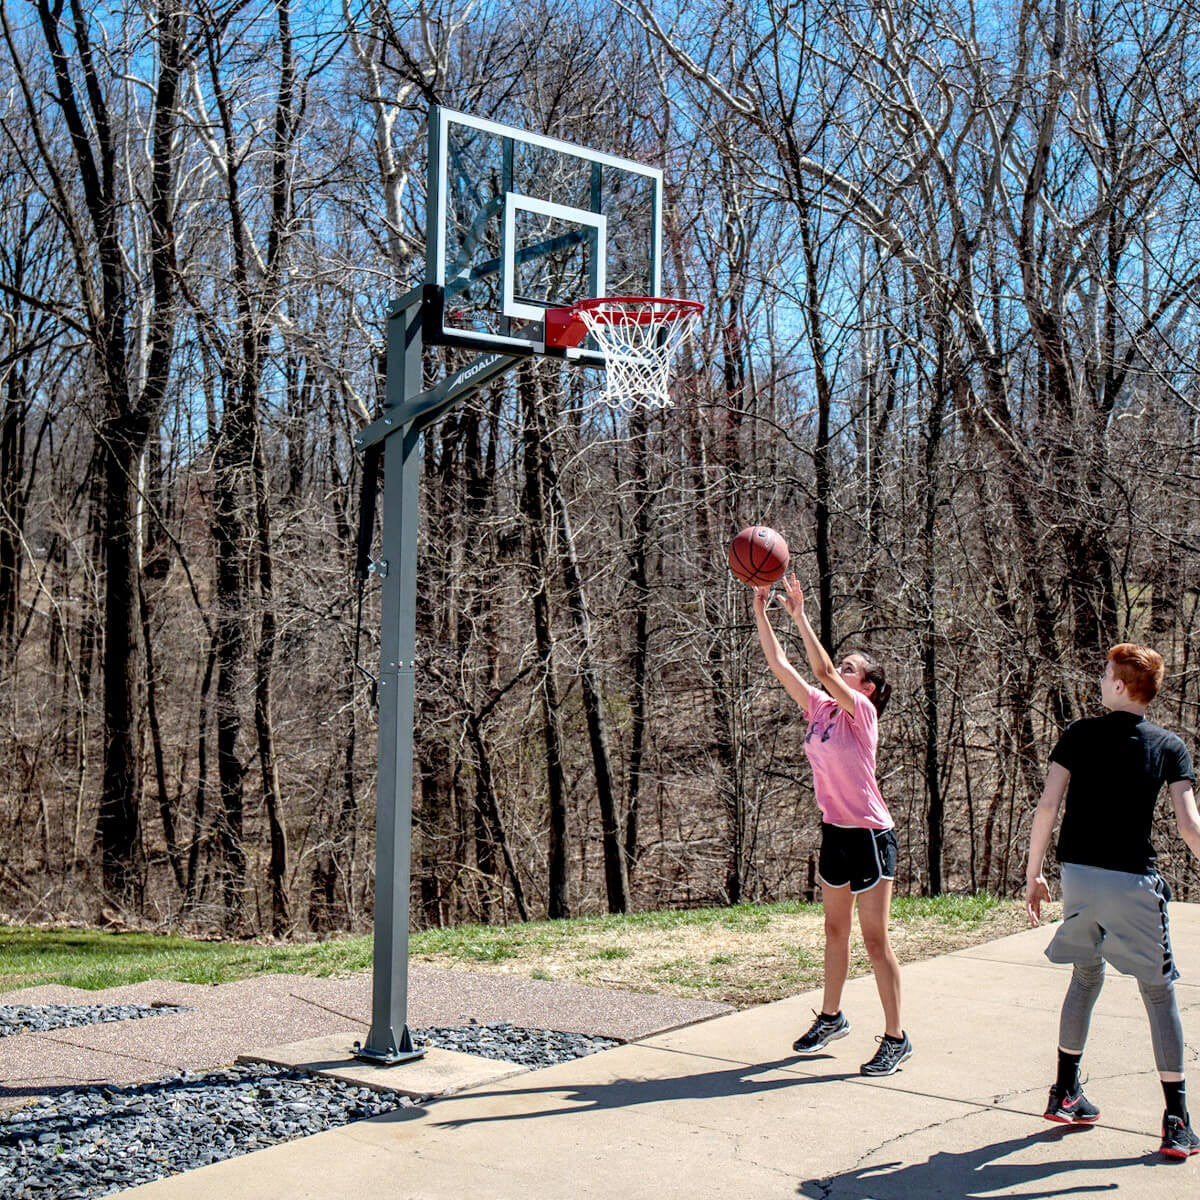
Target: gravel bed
(90, 1142)
(510, 1043)
(41, 1018)
(93, 1141)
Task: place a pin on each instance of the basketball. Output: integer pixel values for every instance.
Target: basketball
(758, 556)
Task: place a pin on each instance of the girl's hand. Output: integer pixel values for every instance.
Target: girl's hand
(762, 596)
(793, 597)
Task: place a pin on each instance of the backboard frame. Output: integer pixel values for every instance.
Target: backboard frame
(593, 229)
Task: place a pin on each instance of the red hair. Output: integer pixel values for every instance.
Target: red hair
(1139, 668)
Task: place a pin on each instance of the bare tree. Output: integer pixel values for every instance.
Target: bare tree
(131, 365)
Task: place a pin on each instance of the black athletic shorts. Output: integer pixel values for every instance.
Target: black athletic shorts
(858, 857)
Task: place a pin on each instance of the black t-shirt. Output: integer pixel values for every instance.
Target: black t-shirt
(1118, 764)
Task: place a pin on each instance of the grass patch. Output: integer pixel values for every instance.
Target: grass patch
(612, 953)
(805, 958)
(93, 959)
(745, 954)
(969, 911)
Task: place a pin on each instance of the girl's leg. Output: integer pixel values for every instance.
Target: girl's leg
(873, 907)
(838, 903)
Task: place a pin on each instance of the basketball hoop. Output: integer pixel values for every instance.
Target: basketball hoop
(638, 336)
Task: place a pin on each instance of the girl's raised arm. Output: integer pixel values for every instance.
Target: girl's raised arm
(827, 675)
(781, 667)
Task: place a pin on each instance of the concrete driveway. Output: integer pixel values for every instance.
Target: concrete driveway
(722, 1108)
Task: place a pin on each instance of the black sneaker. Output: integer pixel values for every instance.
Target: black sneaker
(891, 1053)
(1070, 1108)
(823, 1031)
(1178, 1139)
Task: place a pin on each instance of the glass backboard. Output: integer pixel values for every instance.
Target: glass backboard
(518, 223)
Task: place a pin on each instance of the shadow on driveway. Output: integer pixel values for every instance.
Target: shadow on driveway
(737, 1080)
(979, 1173)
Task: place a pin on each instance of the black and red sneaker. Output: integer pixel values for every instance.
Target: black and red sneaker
(1178, 1140)
(1070, 1108)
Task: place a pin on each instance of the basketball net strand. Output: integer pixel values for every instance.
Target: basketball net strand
(638, 340)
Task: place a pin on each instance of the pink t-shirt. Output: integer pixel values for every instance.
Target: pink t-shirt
(841, 749)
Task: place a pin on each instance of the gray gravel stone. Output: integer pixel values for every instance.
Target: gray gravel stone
(42, 1018)
(89, 1142)
(509, 1043)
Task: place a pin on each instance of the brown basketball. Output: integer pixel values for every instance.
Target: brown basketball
(758, 556)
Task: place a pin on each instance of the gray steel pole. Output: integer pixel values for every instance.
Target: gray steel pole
(389, 1040)
(408, 411)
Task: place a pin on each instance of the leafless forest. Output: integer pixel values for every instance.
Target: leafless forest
(950, 259)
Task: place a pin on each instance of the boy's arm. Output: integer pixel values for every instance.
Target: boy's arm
(1187, 818)
(1044, 820)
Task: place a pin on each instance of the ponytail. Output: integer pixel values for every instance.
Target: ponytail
(874, 673)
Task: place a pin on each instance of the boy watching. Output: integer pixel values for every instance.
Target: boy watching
(1111, 770)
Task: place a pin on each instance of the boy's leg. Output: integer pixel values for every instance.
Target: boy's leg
(1077, 942)
(1067, 1103)
(1076, 1018)
(1166, 1032)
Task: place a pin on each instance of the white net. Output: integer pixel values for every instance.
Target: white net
(638, 337)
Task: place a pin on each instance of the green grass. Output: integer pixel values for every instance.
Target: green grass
(94, 959)
(609, 953)
(804, 957)
(959, 911)
(88, 958)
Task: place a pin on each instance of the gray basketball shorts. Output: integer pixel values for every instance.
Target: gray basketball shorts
(1116, 916)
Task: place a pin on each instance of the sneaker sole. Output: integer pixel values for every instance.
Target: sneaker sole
(1180, 1154)
(882, 1074)
(833, 1037)
(1058, 1119)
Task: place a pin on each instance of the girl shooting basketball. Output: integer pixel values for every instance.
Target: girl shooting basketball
(858, 844)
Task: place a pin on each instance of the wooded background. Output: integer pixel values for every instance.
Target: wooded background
(950, 262)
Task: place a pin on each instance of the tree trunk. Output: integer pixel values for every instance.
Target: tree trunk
(715, 659)
(927, 617)
(230, 537)
(640, 652)
(616, 878)
(165, 807)
(333, 885)
(534, 506)
(12, 515)
(130, 405)
(277, 867)
(199, 809)
(485, 800)
(822, 472)
(120, 790)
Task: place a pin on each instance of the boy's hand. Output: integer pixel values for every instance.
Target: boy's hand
(762, 597)
(1036, 890)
